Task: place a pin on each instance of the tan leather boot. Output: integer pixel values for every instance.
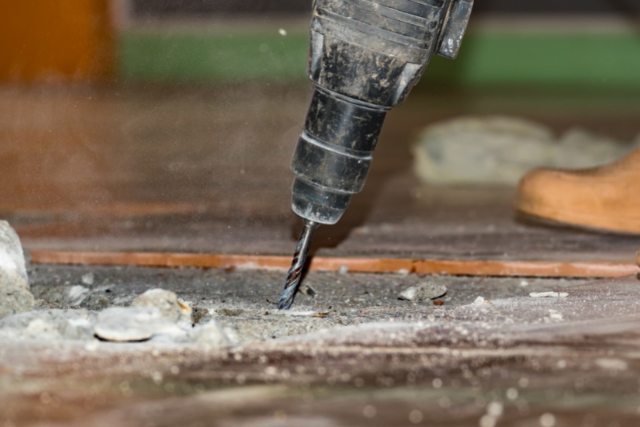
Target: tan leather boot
(605, 197)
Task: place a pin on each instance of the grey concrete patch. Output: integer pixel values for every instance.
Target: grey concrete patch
(243, 303)
(47, 325)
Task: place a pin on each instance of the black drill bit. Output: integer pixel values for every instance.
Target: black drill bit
(299, 259)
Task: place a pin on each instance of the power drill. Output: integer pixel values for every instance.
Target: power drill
(364, 58)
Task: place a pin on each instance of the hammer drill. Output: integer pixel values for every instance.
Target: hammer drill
(364, 58)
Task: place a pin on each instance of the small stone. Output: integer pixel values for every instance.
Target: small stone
(88, 279)
(548, 294)
(554, 315)
(424, 291)
(343, 269)
(77, 294)
(210, 334)
(134, 324)
(15, 296)
(168, 304)
(479, 301)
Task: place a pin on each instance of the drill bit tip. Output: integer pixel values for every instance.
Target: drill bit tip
(299, 259)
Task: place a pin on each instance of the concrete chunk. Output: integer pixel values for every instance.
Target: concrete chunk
(15, 296)
(423, 291)
(168, 304)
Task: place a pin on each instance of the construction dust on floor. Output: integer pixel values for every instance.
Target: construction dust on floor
(353, 354)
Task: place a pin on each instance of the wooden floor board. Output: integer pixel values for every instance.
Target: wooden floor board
(206, 170)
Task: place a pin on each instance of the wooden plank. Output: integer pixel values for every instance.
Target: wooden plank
(355, 265)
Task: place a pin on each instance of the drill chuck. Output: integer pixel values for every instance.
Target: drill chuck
(364, 58)
(333, 155)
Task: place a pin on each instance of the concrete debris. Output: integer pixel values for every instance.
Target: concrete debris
(63, 296)
(200, 315)
(15, 296)
(555, 315)
(612, 364)
(157, 315)
(98, 299)
(423, 291)
(548, 294)
(499, 150)
(168, 304)
(88, 279)
(123, 324)
(343, 269)
(307, 291)
(46, 325)
(479, 301)
(210, 334)
(77, 294)
(547, 420)
(297, 313)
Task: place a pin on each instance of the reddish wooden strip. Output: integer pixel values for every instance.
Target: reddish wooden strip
(357, 265)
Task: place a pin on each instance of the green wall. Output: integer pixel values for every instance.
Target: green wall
(583, 60)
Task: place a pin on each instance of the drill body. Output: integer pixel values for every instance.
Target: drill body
(364, 58)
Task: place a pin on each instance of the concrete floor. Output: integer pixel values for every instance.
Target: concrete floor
(514, 360)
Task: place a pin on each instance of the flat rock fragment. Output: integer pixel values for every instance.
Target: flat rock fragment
(423, 291)
(124, 324)
(15, 295)
(548, 294)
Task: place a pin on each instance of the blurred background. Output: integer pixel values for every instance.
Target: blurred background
(156, 124)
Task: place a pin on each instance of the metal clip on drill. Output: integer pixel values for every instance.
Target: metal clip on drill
(364, 58)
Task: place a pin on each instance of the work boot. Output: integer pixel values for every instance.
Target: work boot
(605, 197)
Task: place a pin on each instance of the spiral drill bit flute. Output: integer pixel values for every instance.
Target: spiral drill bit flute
(364, 58)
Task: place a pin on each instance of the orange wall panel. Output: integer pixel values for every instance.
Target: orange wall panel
(56, 40)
